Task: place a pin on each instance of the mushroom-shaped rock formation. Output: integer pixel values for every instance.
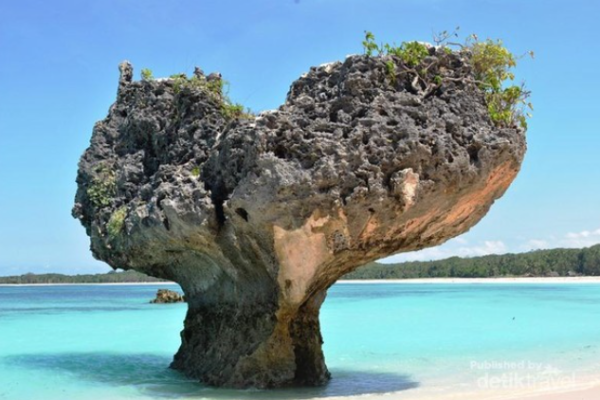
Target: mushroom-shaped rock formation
(257, 216)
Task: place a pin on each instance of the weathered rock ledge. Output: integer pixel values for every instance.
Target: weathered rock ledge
(256, 218)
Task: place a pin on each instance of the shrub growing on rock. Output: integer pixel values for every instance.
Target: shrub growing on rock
(490, 61)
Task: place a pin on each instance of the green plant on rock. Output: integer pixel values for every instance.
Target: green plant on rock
(390, 69)
(232, 111)
(102, 187)
(197, 82)
(369, 44)
(196, 171)
(179, 81)
(115, 224)
(217, 86)
(412, 53)
(147, 74)
(215, 89)
(491, 63)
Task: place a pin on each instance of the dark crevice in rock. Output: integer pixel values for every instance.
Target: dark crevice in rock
(242, 213)
(473, 151)
(280, 152)
(219, 210)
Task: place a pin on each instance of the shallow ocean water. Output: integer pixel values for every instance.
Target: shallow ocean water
(108, 342)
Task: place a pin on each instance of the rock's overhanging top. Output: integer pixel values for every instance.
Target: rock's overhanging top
(260, 215)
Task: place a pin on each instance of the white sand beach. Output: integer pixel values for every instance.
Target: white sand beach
(592, 393)
(581, 391)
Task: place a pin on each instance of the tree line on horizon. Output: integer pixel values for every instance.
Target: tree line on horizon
(539, 263)
(110, 277)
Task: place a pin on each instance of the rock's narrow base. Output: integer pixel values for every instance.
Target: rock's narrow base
(255, 346)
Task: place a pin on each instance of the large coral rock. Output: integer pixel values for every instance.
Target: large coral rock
(257, 217)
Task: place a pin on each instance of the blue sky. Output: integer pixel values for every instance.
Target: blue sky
(58, 75)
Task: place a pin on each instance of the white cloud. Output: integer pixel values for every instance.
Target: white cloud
(455, 247)
(461, 240)
(488, 247)
(581, 239)
(463, 248)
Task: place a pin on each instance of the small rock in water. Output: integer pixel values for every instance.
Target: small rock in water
(164, 296)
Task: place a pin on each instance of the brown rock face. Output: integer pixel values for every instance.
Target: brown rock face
(257, 217)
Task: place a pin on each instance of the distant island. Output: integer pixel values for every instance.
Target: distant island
(540, 263)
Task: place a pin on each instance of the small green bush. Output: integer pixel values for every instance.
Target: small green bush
(197, 82)
(115, 224)
(179, 81)
(147, 74)
(369, 44)
(412, 53)
(491, 63)
(390, 69)
(102, 187)
(216, 89)
(232, 111)
(216, 86)
(492, 66)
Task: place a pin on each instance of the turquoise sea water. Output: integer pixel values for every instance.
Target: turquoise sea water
(107, 342)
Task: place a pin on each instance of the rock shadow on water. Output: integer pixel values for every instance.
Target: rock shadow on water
(149, 374)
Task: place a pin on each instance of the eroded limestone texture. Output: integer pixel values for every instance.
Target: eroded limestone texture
(255, 218)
